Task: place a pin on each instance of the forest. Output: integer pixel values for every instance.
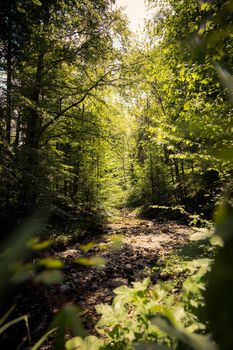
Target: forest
(116, 187)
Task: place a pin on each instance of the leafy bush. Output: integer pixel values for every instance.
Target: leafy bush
(153, 314)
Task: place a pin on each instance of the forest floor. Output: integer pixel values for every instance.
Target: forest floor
(145, 246)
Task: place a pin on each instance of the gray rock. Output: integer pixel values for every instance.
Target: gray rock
(64, 288)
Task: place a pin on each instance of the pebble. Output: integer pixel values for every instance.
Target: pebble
(64, 288)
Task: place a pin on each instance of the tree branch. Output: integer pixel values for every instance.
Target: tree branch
(75, 104)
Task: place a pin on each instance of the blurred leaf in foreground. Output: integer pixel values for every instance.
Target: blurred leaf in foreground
(91, 261)
(67, 320)
(34, 244)
(49, 277)
(89, 343)
(220, 285)
(51, 263)
(192, 340)
(227, 80)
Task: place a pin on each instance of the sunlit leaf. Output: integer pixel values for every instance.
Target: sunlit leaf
(195, 341)
(200, 234)
(35, 245)
(86, 247)
(216, 241)
(205, 6)
(92, 261)
(51, 263)
(37, 2)
(89, 343)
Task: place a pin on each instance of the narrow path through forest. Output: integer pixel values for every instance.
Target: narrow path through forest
(143, 243)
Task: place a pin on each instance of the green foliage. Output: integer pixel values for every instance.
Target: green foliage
(42, 339)
(88, 343)
(184, 116)
(92, 261)
(220, 283)
(67, 319)
(91, 125)
(126, 322)
(154, 314)
(4, 324)
(57, 116)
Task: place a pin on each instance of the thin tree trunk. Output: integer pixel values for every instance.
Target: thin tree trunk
(182, 170)
(32, 174)
(34, 123)
(9, 77)
(178, 180)
(17, 131)
(177, 172)
(172, 174)
(193, 175)
(152, 179)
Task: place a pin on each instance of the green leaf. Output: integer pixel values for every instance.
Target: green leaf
(51, 263)
(67, 320)
(150, 347)
(187, 106)
(201, 234)
(205, 6)
(86, 247)
(220, 283)
(43, 338)
(35, 245)
(195, 341)
(92, 261)
(23, 273)
(7, 314)
(142, 286)
(111, 315)
(13, 322)
(205, 81)
(89, 343)
(216, 241)
(224, 220)
(37, 2)
(122, 290)
(49, 277)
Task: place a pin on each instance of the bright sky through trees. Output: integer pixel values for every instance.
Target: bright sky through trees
(136, 12)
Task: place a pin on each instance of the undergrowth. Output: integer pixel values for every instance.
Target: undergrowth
(166, 315)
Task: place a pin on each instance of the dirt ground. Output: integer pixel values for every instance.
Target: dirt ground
(140, 244)
(143, 243)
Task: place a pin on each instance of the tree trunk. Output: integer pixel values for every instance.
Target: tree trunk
(9, 77)
(32, 178)
(17, 131)
(172, 174)
(152, 180)
(34, 122)
(177, 172)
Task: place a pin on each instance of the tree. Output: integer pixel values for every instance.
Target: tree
(66, 55)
